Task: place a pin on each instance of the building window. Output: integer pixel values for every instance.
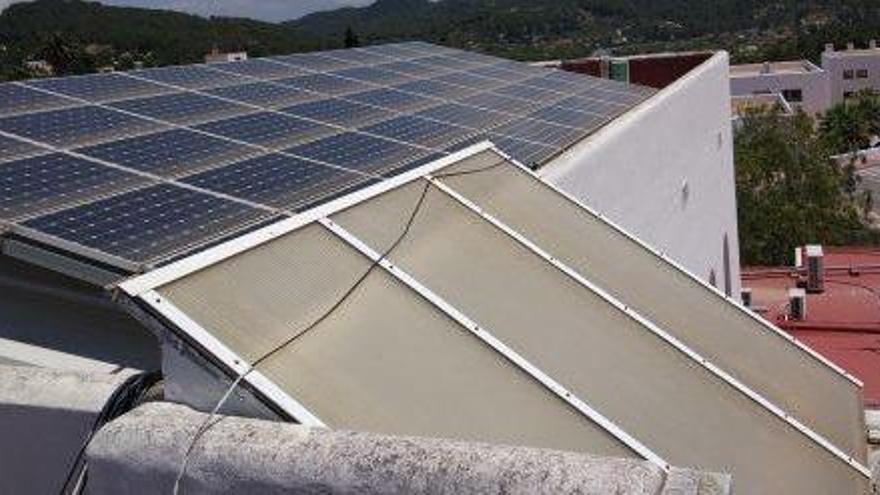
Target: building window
(862, 73)
(848, 74)
(793, 95)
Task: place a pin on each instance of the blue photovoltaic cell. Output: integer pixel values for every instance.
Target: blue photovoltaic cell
(475, 118)
(268, 129)
(360, 152)
(397, 51)
(18, 99)
(327, 84)
(280, 181)
(264, 94)
(358, 56)
(339, 112)
(529, 154)
(76, 126)
(539, 131)
(530, 93)
(42, 183)
(261, 68)
(427, 48)
(419, 131)
(13, 148)
(170, 153)
(373, 75)
(434, 89)
(183, 108)
(413, 68)
(612, 95)
(499, 102)
(470, 80)
(150, 224)
(448, 62)
(191, 76)
(522, 68)
(550, 84)
(312, 61)
(495, 72)
(571, 118)
(392, 99)
(99, 88)
(587, 104)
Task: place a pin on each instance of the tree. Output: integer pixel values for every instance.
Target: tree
(351, 39)
(789, 192)
(850, 126)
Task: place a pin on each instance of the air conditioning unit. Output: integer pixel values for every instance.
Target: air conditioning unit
(797, 304)
(815, 269)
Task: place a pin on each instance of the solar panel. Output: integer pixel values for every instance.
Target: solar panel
(373, 75)
(149, 224)
(264, 94)
(170, 153)
(278, 180)
(362, 153)
(327, 84)
(16, 99)
(76, 126)
(592, 105)
(312, 61)
(539, 131)
(496, 72)
(549, 83)
(527, 153)
(393, 99)
(13, 148)
(475, 118)
(530, 93)
(191, 76)
(34, 185)
(501, 102)
(469, 80)
(99, 88)
(448, 62)
(261, 68)
(413, 68)
(268, 129)
(564, 116)
(419, 131)
(358, 56)
(434, 89)
(339, 112)
(396, 51)
(182, 108)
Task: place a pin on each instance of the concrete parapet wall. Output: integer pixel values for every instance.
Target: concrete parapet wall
(45, 417)
(141, 452)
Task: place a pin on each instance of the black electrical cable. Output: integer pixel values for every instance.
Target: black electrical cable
(123, 399)
(209, 421)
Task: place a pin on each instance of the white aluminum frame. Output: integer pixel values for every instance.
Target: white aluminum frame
(656, 330)
(659, 254)
(486, 337)
(231, 360)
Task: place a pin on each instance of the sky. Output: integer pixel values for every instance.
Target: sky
(267, 10)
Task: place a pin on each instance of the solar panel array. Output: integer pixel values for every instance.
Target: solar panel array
(143, 166)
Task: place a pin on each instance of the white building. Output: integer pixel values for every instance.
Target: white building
(807, 86)
(800, 82)
(851, 70)
(217, 56)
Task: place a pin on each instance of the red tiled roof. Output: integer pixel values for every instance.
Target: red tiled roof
(843, 322)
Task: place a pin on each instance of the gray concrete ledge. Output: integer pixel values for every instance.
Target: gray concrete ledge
(45, 416)
(141, 452)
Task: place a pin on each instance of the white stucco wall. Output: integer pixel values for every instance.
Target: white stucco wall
(835, 63)
(664, 171)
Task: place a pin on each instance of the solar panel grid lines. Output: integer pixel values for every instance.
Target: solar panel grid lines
(358, 151)
(281, 181)
(469, 80)
(396, 51)
(357, 57)
(16, 98)
(331, 84)
(393, 99)
(414, 68)
(257, 67)
(77, 126)
(427, 132)
(11, 148)
(373, 75)
(313, 62)
(265, 94)
(45, 183)
(188, 76)
(270, 129)
(171, 154)
(150, 224)
(339, 112)
(477, 118)
(183, 108)
(99, 88)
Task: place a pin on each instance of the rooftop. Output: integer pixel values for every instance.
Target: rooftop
(768, 68)
(843, 322)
